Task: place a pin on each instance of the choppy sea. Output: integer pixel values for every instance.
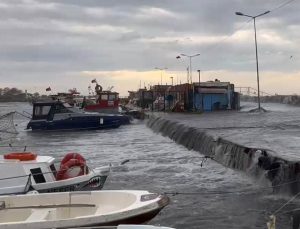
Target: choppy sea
(210, 196)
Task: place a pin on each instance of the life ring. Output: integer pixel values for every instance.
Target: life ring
(22, 156)
(70, 156)
(65, 171)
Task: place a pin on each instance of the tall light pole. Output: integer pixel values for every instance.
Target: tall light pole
(199, 90)
(172, 79)
(161, 70)
(190, 68)
(257, 72)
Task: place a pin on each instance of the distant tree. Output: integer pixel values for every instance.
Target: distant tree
(5, 90)
(36, 94)
(14, 91)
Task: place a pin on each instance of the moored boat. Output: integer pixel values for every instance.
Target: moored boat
(26, 171)
(56, 115)
(79, 209)
(104, 101)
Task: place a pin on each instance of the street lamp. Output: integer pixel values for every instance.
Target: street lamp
(172, 79)
(190, 57)
(199, 76)
(257, 73)
(161, 69)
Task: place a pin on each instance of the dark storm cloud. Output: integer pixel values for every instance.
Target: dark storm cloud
(79, 35)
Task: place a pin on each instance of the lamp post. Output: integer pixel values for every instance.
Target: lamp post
(190, 68)
(257, 72)
(161, 69)
(172, 79)
(199, 77)
(199, 90)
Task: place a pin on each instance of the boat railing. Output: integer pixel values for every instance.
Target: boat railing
(86, 168)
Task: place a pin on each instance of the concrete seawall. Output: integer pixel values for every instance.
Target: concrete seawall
(261, 163)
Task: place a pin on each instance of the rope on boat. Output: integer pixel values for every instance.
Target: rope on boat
(204, 159)
(75, 145)
(236, 192)
(29, 117)
(29, 175)
(285, 204)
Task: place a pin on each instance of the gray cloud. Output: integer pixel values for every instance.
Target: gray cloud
(74, 35)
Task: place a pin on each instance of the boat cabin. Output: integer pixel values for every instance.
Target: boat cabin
(106, 101)
(109, 97)
(47, 110)
(15, 173)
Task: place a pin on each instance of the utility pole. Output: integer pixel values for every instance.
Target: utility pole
(190, 67)
(161, 70)
(188, 75)
(256, 55)
(199, 77)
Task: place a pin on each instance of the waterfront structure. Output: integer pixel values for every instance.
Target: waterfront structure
(204, 96)
(215, 95)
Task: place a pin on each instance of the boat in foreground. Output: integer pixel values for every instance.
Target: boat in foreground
(26, 171)
(79, 209)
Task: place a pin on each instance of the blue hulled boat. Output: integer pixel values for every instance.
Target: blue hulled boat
(56, 115)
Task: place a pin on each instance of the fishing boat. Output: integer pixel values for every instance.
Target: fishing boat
(105, 102)
(79, 209)
(102, 101)
(56, 115)
(26, 171)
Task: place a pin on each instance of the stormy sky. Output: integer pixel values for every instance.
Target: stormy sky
(67, 43)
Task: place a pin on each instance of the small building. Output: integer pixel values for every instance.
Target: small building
(215, 95)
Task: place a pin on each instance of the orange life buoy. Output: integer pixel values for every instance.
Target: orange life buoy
(22, 156)
(64, 171)
(69, 156)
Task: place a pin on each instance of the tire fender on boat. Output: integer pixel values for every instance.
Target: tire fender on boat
(66, 169)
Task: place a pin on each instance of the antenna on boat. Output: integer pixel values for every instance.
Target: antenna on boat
(94, 81)
(110, 88)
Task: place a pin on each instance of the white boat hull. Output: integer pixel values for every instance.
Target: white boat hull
(79, 209)
(94, 180)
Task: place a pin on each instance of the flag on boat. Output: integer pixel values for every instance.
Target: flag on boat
(48, 89)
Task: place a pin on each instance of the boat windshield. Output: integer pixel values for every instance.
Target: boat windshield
(67, 105)
(42, 110)
(60, 108)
